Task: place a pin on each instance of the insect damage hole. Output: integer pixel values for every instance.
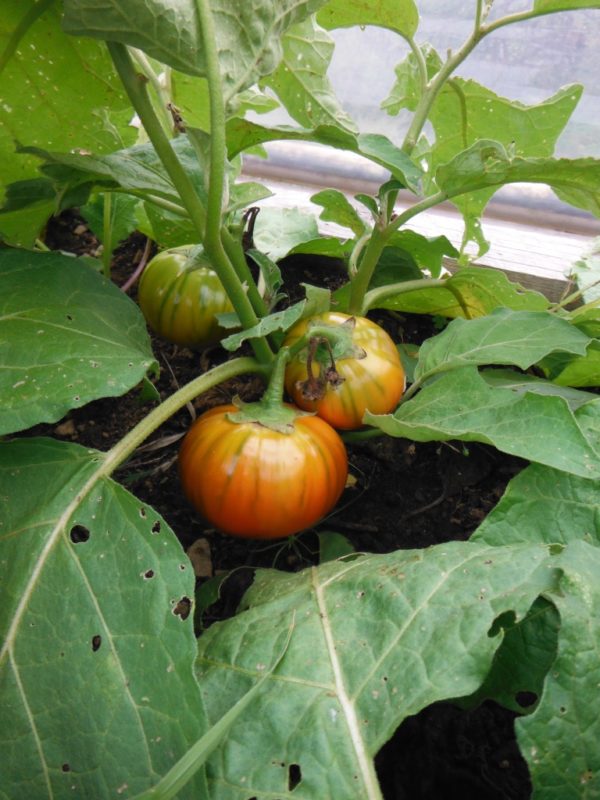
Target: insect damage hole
(155, 526)
(526, 699)
(294, 776)
(96, 642)
(66, 768)
(149, 573)
(182, 608)
(79, 533)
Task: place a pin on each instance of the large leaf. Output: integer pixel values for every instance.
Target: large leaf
(397, 15)
(134, 169)
(67, 336)
(97, 687)
(560, 739)
(374, 641)
(279, 230)
(460, 404)
(247, 39)
(46, 102)
(300, 80)
(465, 112)
(470, 292)
(242, 134)
(544, 505)
(502, 337)
(487, 163)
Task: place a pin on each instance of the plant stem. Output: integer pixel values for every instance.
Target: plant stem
(135, 86)
(375, 296)
(362, 279)
(213, 243)
(274, 392)
(106, 234)
(204, 223)
(236, 255)
(161, 202)
(125, 447)
(161, 94)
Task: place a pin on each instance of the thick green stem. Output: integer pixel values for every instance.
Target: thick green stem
(107, 234)
(204, 223)
(213, 243)
(362, 279)
(124, 448)
(135, 86)
(236, 255)
(381, 293)
(274, 393)
(162, 95)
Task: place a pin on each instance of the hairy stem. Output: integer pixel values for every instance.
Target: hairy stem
(362, 279)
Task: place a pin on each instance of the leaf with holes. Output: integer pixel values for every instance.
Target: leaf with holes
(560, 739)
(247, 40)
(97, 634)
(67, 336)
(374, 641)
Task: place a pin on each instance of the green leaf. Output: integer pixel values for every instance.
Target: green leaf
(327, 246)
(270, 273)
(333, 545)
(503, 337)
(522, 661)
(376, 640)
(248, 41)
(544, 505)
(242, 135)
(67, 336)
(427, 252)
(487, 163)
(586, 272)
(279, 230)
(46, 103)
(520, 382)
(569, 371)
(316, 302)
(96, 654)
(337, 208)
(465, 112)
(135, 169)
(165, 228)
(408, 88)
(471, 291)
(397, 15)
(300, 79)
(546, 6)
(559, 740)
(123, 219)
(461, 405)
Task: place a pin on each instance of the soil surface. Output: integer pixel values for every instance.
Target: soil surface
(401, 495)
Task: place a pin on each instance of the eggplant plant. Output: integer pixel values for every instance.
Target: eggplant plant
(105, 689)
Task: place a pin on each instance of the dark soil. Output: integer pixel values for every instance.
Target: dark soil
(402, 495)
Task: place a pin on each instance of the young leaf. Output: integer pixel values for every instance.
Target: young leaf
(503, 337)
(316, 302)
(300, 79)
(67, 336)
(122, 217)
(279, 230)
(408, 88)
(544, 505)
(461, 405)
(465, 112)
(349, 682)
(337, 208)
(94, 586)
(559, 739)
(33, 111)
